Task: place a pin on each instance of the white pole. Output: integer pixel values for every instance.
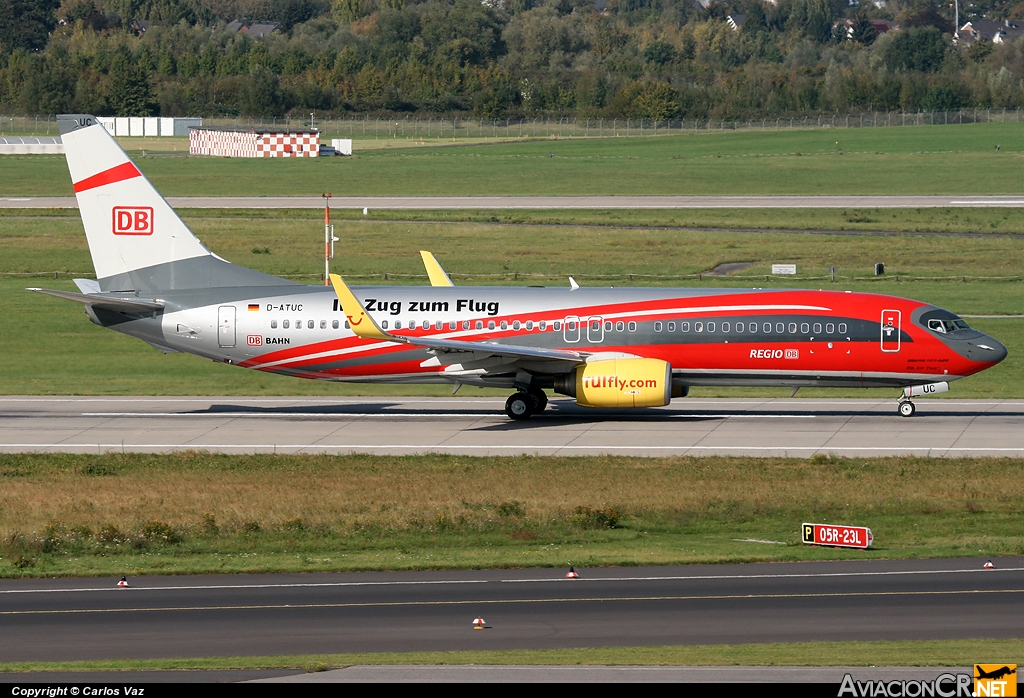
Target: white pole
(328, 238)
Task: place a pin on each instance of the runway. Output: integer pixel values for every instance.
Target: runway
(553, 202)
(479, 426)
(257, 615)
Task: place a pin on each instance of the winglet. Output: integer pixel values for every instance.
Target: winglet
(358, 319)
(434, 271)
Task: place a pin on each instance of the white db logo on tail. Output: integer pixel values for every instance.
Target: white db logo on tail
(133, 220)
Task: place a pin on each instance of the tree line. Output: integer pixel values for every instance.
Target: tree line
(497, 59)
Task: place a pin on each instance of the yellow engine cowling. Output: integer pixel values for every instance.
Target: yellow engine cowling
(624, 383)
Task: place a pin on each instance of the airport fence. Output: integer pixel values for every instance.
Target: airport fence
(481, 129)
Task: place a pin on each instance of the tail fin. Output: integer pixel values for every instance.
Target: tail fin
(136, 239)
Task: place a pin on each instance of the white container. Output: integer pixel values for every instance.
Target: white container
(151, 126)
(343, 146)
(108, 123)
(166, 126)
(121, 126)
(136, 126)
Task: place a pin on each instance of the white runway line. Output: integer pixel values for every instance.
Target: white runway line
(434, 415)
(323, 448)
(559, 580)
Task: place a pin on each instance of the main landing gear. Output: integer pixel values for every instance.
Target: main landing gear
(906, 408)
(526, 403)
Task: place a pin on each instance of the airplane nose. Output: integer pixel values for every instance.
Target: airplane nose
(986, 349)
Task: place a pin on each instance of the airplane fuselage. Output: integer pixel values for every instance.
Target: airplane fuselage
(708, 336)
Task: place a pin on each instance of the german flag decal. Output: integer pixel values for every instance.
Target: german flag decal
(253, 307)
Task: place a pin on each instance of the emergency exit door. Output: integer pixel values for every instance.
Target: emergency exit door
(890, 331)
(226, 325)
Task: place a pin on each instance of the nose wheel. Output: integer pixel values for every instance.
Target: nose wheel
(906, 408)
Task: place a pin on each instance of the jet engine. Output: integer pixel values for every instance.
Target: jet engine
(619, 383)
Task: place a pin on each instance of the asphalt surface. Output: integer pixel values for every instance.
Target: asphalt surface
(256, 615)
(479, 426)
(551, 202)
(615, 674)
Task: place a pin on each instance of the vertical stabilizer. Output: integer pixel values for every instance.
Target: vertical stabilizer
(130, 227)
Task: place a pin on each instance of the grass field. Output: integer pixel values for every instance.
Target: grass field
(74, 515)
(51, 348)
(938, 653)
(910, 160)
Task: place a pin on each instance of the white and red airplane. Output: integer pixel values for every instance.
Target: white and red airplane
(606, 347)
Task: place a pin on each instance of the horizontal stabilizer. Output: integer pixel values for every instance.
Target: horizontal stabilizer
(120, 305)
(434, 271)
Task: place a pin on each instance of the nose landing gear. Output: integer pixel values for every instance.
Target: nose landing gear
(906, 408)
(524, 404)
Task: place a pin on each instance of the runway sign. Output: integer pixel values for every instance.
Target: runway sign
(837, 536)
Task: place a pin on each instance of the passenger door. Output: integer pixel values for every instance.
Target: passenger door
(890, 331)
(226, 326)
(595, 329)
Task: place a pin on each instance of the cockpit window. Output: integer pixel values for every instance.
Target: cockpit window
(946, 324)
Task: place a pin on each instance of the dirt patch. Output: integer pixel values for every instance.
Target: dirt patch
(729, 268)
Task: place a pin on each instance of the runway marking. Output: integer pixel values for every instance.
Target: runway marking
(466, 602)
(560, 580)
(399, 415)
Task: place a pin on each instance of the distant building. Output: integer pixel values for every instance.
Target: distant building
(264, 142)
(735, 22)
(988, 30)
(883, 26)
(257, 30)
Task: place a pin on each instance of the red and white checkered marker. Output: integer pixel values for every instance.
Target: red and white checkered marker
(989, 566)
(571, 574)
(478, 624)
(123, 583)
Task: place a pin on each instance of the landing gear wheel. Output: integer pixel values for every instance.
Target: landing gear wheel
(907, 409)
(519, 406)
(538, 401)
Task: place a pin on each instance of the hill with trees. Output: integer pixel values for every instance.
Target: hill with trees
(497, 59)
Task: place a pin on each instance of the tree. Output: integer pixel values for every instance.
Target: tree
(916, 49)
(26, 24)
(863, 32)
(130, 91)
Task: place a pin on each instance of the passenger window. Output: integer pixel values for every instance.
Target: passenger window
(684, 327)
(711, 327)
(347, 325)
(323, 325)
(556, 326)
(543, 326)
(632, 327)
(465, 324)
(657, 327)
(608, 326)
(671, 327)
(817, 328)
(739, 326)
(398, 324)
(479, 324)
(595, 326)
(571, 324)
(619, 326)
(515, 325)
(698, 327)
(298, 324)
(453, 325)
(412, 325)
(504, 325)
(383, 325)
(439, 325)
(285, 324)
(830, 328)
(529, 324)
(273, 324)
(334, 325)
(490, 324)
(725, 327)
(842, 328)
(792, 328)
(767, 328)
(780, 328)
(310, 324)
(805, 328)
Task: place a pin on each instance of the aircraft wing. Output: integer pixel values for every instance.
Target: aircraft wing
(435, 273)
(364, 326)
(121, 305)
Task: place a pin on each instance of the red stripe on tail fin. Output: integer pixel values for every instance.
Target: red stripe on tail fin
(118, 173)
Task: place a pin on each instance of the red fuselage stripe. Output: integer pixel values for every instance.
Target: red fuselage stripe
(118, 173)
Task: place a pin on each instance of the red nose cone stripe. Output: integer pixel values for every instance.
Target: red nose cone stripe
(114, 174)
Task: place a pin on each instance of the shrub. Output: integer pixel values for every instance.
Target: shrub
(585, 517)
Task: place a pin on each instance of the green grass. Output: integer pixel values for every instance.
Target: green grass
(193, 513)
(938, 653)
(912, 160)
(51, 348)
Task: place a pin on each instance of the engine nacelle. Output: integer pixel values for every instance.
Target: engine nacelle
(621, 383)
